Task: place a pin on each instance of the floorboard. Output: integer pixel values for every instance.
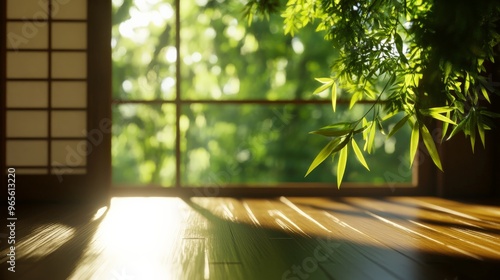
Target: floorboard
(283, 238)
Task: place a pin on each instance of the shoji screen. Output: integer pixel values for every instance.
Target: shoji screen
(52, 133)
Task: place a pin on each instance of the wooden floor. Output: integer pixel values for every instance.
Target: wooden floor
(283, 238)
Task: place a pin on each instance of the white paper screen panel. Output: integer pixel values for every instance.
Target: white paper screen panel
(27, 65)
(69, 153)
(27, 124)
(27, 153)
(46, 86)
(28, 9)
(38, 9)
(69, 9)
(69, 124)
(69, 65)
(27, 94)
(69, 94)
(22, 35)
(69, 35)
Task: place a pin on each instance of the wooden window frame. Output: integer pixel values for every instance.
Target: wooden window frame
(423, 175)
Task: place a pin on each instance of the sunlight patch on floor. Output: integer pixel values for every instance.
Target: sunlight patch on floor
(134, 240)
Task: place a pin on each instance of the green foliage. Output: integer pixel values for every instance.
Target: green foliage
(425, 59)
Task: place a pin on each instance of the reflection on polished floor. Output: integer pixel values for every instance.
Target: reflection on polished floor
(282, 238)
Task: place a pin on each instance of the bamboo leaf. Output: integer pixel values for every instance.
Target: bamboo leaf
(445, 127)
(380, 126)
(437, 110)
(431, 147)
(472, 129)
(323, 154)
(490, 114)
(398, 125)
(467, 84)
(354, 99)
(359, 154)
(370, 93)
(345, 141)
(334, 96)
(324, 80)
(485, 94)
(436, 113)
(414, 142)
(326, 83)
(339, 125)
(480, 129)
(371, 138)
(341, 165)
(361, 130)
(338, 129)
(458, 128)
(249, 17)
(366, 124)
(488, 85)
(389, 115)
(447, 70)
(475, 96)
(322, 88)
(442, 118)
(332, 132)
(399, 46)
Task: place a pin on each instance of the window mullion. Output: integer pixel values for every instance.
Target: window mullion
(178, 101)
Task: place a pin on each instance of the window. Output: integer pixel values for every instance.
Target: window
(198, 99)
(202, 98)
